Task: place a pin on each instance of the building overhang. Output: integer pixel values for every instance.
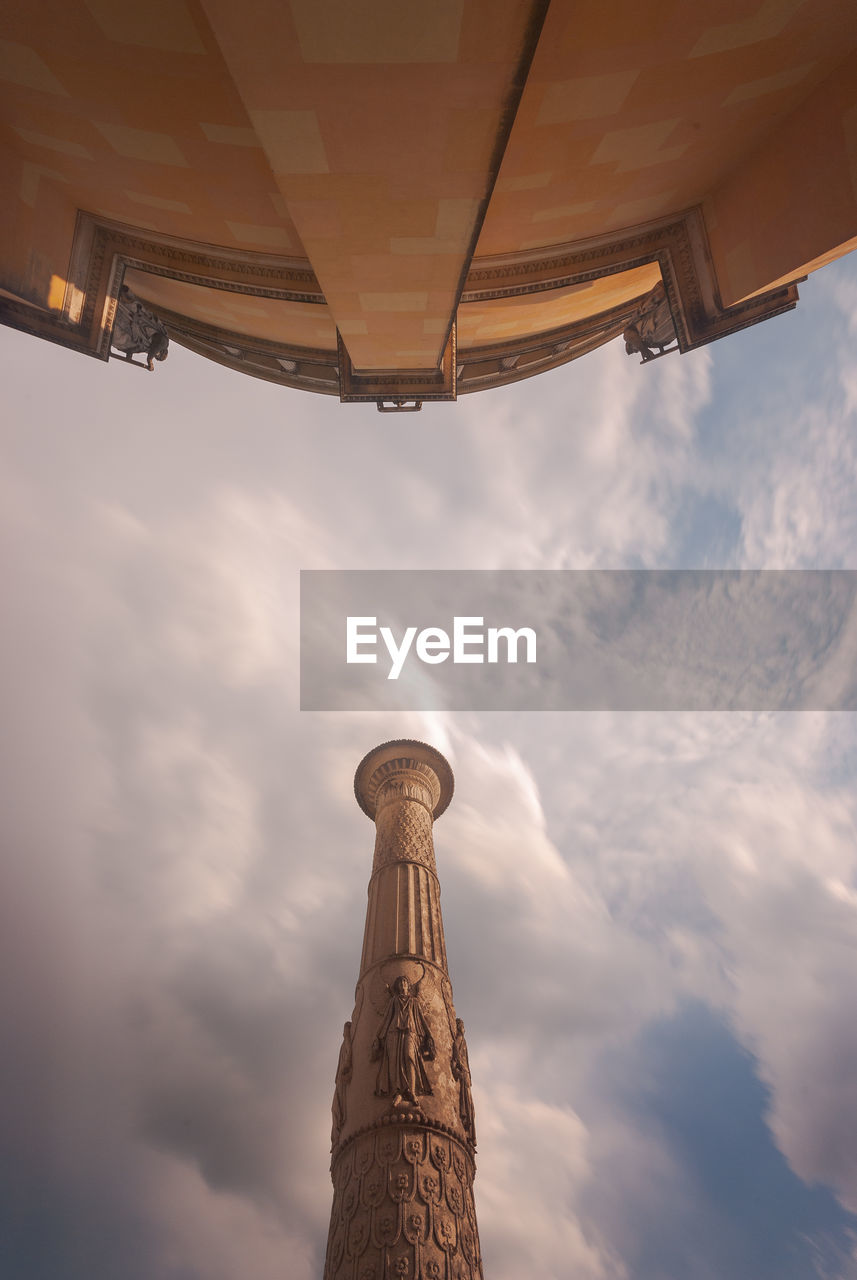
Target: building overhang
(412, 212)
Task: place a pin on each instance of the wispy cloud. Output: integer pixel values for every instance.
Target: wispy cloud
(185, 869)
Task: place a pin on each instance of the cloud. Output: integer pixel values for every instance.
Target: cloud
(545, 474)
(693, 1138)
(539, 1165)
(185, 868)
(704, 858)
(778, 453)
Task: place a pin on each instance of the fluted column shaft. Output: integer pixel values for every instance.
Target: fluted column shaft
(403, 915)
(403, 1129)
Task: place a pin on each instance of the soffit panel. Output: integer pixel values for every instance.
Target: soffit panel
(504, 319)
(301, 324)
(136, 114)
(631, 113)
(383, 165)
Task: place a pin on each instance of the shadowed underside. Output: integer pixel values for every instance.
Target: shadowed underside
(403, 202)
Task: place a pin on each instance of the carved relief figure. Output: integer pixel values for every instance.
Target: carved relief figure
(653, 327)
(402, 1042)
(136, 329)
(634, 343)
(461, 1073)
(343, 1076)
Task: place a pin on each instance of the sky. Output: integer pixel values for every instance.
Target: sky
(651, 918)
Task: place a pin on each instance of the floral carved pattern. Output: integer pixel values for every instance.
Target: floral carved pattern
(403, 1207)
(404, 835)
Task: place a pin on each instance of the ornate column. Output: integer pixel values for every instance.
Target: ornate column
(403, 1130)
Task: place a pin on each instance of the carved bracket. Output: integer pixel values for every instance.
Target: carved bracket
(398, 406)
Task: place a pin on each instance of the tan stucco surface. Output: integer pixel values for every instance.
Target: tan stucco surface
(363, 139)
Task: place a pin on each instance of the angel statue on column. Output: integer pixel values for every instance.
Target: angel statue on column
(461, 1073)
(402, 1042)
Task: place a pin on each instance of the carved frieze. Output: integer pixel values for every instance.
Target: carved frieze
(407, 785)
(103, 249)
(403, 1206)
(404, 835)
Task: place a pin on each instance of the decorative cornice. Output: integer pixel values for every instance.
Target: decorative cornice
(104, 249)
(302, 368)
(413, 1116)
(217, 266)
(409, 760)
(679, 245)
(399, 385)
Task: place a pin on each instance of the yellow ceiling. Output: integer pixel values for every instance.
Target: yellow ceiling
(301, 324)
(633, 111)
(531, 313)
(363, 138)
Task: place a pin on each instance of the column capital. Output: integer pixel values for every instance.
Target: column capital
(403, 767)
